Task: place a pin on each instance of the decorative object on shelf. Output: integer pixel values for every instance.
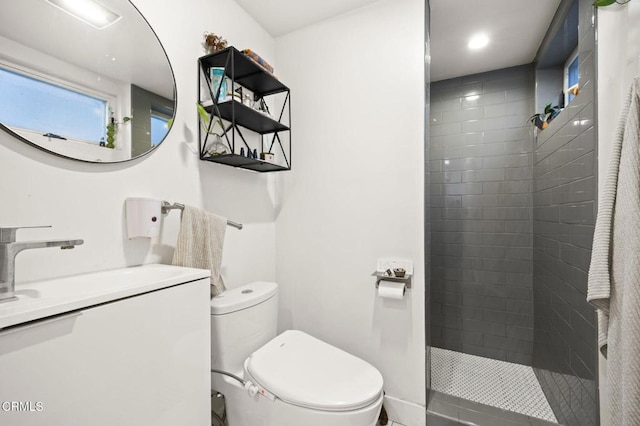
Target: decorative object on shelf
(574, 90)
(112, 128)
(219, 83)
(399, 272)
(261, 106)
(602, 3)
(248, 97)
(232, 96)
(212, 42)
(267, 156)
(217, 147)
(258, 59)
(542, 120)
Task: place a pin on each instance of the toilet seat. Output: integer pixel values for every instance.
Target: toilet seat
(302, 370)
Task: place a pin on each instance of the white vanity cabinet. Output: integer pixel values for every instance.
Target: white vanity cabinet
(140, 360)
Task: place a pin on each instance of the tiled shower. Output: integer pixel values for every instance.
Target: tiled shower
(481, 214)
(512, 212)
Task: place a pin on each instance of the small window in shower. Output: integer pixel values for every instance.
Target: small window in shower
(557, 60)
(571, 77)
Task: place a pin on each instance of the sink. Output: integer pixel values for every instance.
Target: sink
(40, 299)
(106, 281)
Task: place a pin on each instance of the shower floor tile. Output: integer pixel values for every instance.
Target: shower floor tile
(501, 384)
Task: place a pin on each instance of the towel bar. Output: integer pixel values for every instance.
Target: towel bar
(167, 207)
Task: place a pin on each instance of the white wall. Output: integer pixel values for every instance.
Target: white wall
(86, 200)
(356, 189)
(618, 64)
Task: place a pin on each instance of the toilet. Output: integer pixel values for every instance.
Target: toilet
(290, 379)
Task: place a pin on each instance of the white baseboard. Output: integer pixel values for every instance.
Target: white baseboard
(404, 412)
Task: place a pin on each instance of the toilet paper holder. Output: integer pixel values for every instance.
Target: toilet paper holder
(380, 276)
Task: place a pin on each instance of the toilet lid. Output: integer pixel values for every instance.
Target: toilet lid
(302, 370)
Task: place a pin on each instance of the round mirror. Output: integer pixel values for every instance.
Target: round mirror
(84, 79)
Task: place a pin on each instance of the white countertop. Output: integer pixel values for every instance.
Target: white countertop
(41, 299)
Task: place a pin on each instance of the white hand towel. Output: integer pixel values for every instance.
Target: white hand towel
(200, 243)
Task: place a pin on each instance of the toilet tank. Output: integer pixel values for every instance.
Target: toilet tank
(243, 319)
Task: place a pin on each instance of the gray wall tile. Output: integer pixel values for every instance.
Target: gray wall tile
(445, 129)
(485, 175)
(465, 114)
(485, 351)
(481, 227)
(564, 354)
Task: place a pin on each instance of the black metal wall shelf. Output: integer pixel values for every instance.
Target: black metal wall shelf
(245, 72)
(247, 117)
(245, 163)
(233, 114)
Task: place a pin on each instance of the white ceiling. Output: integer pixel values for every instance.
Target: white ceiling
(280, 17)
(516, 28)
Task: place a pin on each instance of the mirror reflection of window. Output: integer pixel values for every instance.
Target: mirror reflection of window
(159, 128)
(43, 106)
(151, 113)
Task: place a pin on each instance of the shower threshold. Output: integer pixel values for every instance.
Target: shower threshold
(503, 385)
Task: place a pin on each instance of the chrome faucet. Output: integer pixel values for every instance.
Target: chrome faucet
(9, 249)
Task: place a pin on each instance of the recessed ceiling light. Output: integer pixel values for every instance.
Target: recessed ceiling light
(478, 41)
(88, 11)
